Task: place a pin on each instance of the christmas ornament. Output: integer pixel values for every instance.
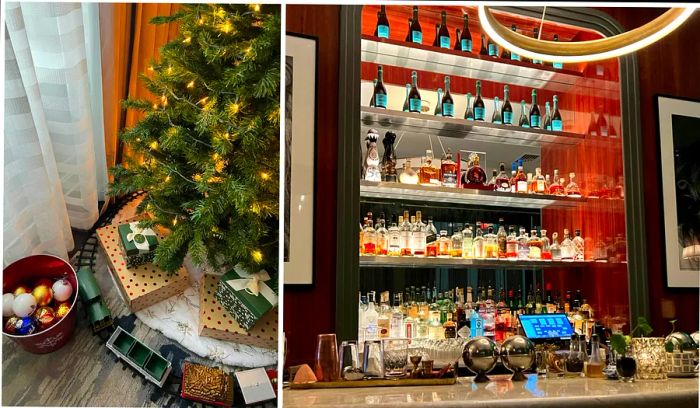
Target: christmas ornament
(26, 325)
(24, 305)
(62, 290)
(62, 309)
(42, 294)
(22, 289)
(11, 325)
(46, 317)
(7, 300)
(44, 281)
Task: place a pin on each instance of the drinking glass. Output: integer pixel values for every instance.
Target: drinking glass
(373, 359)
(395, 357)
(326, 366)
(349, 358)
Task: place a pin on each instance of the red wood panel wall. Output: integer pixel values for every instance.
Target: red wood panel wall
(309, 311)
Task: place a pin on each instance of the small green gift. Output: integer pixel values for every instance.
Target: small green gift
(138, 244)
(246, 296)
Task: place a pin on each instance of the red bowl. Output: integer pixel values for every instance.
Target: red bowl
(33, 268)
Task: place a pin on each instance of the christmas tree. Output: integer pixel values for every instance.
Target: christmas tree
(206, 152)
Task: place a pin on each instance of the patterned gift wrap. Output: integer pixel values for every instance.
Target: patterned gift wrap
(207, 384)
(138, 245)
(247, 296)
(140, 286)
(216, 323)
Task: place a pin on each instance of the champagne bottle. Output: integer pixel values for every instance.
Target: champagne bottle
(380, 96)
(436, 41)
(416, 32)
(535, 117)
(479, 107)
(438, 105)
(496, 117)
(469, 112)
(458, 45)
(547, 123)
(507, 109)
(557, 65)
(556, 121)
(524, 121)
(382, 30)
(371, 100)
(484, 48)
(414, 100)
(514, 56)
(448, 107)
(536, 36)
(405, 102)
(444, 33)
(466, 40)
(409, 38)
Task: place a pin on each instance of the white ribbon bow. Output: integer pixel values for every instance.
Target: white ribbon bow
(136, 230)
(253, 283)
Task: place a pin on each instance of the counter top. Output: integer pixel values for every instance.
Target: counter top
(501, 392)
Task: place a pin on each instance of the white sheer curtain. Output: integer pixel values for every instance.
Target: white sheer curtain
(55, 169)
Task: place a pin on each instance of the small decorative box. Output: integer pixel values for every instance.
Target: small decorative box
(144, 285)
(138, 244)
(206, 384)
(246, 296)
(216, 323)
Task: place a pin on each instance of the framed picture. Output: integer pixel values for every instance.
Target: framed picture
(678, 146)
(300, 158)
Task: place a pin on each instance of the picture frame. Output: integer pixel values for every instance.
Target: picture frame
(301, 79)
(679, 199)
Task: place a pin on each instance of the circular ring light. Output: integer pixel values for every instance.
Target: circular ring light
(582, 51)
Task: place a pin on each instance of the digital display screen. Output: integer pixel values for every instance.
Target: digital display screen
(546, 326)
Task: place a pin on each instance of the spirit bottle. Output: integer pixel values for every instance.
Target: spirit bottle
(520, 179)
(557, 124)
(416, 31)
(409, 37)
(457, 242)
(479, 107)
(511, 244)
(438, 106)
(429, 175)
(547, 183)
(535, 117)
(435, 330)
(382, 30)
(466, 38)
(449, 170)
(408, 176)
(546, 250)
(384, 318)
(502, 181)
(539, 182)
(444, 33)
(414, 100)
(594, 368)
(496, 118)
(530, 181)
(372, 172)
(523, 121)
(536, 35)
(380, 96)
(475, 176)
(555, 64)
(389, 158)
(484, 48)
(578, 245)
(405, 102)
(491, 245)
(491, 184)
(458, 45)
(467, 241)
(512, 181)
(567, 247)
(382, 237)
(538, 301)
(447, 104)
(572, 189)
(502, 241)
(370, 318)
(397, 319)
(523, 249)
(556, 188)
(514, 56)
(535, 246)
(394, 240)
(443, 245)
(431, 239)
(370, 239)
(478, 243)
(361, 309)
(363, 225)
(554, 248)
(405, 232)
(547, 118)
(418, 236)
(469, 112)
(450, 329)
(507, 109)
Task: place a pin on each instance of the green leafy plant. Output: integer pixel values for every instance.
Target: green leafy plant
(620, 342)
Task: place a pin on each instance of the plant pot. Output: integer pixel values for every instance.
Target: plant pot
(626, 368)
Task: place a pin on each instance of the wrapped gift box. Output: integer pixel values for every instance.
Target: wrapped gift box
(207, 384)
(138, 244)
(144, 285)
(246, 296)
(216, 323)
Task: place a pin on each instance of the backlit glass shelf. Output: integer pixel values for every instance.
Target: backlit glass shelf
(455, 263)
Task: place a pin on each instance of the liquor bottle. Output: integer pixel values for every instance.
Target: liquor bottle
(475, 176)
(511, 244)
(567, 247)
(414, 100)
(469, 112)
(405, 102)
(535, 118)
(374, 86)
(443, 32)
(489, 315)
(556, 188)
(594, 368)
(382, 237)
(484, 48)
(370, 240)
(491, 244)
(602, 124)
(523, 249)
(418, 236)
(397, 319)
(449, 170)
(363, 224)
(534, 245)
(506, 109)
(447, 104)
(467, 241)
(443, 245)
(520, 179)
(539, 182)
(496, 118)
(547, 183)
(546, 250)
(491, 184)
(389, 158)
(416, 32)
(429, 175)
(412, 225)
(431, 238)
(376, 33)
(493, 49)
(578, 245)
(409, 37)
(538, 300)
(438, 105)
(394, 240)
(456, 242)
(370, 317)
(382, 30)
(572, 189)
(556, 122)
(466, 39)
(408, 176)
(555, 249)
(547, 118)
(556, 64)
(502, 181)
(478, 243)
(514, 56)
(458, 45)
(384, 318)
(405, 232)
(530, 187)
(371, 162)
(505, 54)
(523, 121)
(479, 107)
(536, 35)
(380, 96)
(476, 323)
(502, 240)
(512, 180)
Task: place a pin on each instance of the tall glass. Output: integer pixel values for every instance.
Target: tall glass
(326, 366)
(349, 358)
(395, 357)
(373, 359)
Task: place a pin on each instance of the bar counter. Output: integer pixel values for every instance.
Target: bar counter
(501, 392)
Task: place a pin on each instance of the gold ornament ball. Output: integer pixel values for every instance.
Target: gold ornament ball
(43, 295)
(22, 289)
(44, 281)
(46, 317)
(62, 310)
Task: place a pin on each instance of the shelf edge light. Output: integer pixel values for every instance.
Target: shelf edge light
(485, 18)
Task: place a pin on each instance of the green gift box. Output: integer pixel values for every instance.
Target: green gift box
(137, 244)
(246, 296)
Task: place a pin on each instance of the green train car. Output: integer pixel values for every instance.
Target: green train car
(89, 291)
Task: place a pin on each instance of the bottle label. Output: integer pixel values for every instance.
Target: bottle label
(449, 179)
(522, 186)
(508, 118)
(514, 56)
(444, 41)
(417, 37)
(383, 31)
(535, 120)
(540, 186)
(448, 109)
(380, 100)
(479, 113)
(557, 125)
(430, 238)
(536, 61)
(558, 65)
(414, 105)
(466, 45)
(493, 50)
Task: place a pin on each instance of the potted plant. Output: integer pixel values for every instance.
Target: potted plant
(622, 345)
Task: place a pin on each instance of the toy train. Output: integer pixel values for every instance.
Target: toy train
(89, 291)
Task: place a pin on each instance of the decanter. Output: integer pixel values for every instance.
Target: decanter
(556, 188)
(546, 250)
(523, 249)
(572, 189)
(475, 176)
(554, 248)
(408, 176)
(534, 245)
(578, 245)
(567, 247)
